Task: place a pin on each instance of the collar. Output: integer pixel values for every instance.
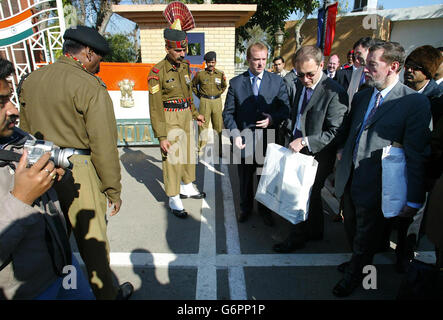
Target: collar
(386, 90)
(439, 80)
(424, 87)
(75, 59)
(170, 65)
(260, 76)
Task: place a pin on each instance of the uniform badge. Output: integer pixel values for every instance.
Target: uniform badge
(187, 79)
(217, 81)
(155, 89)
(155, 70)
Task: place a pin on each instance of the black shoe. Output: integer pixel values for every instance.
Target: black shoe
(267, 219)
(345, 287)
(179, 213)
(201, 195)
(288, 246)
(343, 266)
(125, 291)
(243, 216)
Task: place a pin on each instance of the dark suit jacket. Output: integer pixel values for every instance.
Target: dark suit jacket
(325, 71)
(343, 77)
(434, 92)
(242, 109)
(403, 117)
(323, 114)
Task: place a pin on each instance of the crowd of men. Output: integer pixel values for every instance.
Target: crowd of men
(344, 117)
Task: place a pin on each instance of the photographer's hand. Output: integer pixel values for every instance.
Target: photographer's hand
(31, 183)
(116, 208)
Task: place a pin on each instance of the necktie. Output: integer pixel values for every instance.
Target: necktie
(255, 86)
(370, 115)
(307, 96)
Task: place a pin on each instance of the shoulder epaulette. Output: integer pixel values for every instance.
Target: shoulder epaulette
(155, 70)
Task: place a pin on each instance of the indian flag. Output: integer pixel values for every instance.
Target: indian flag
(16, 28)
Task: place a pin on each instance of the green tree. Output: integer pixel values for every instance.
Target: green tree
(122, 49)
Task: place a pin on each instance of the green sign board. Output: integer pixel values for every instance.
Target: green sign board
(135, 132)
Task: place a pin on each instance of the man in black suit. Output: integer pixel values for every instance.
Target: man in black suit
(391, 113)
(316, 115)
(256, 101)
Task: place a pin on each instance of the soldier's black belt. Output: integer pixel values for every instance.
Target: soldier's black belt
(210, 97)
(172, 105)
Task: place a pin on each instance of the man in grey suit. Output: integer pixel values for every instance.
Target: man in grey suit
(389, 114)
(256, 100)
(316, 114)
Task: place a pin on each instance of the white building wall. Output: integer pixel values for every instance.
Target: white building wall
(414, 33)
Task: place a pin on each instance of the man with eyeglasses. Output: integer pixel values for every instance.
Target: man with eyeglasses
(316, 115)
(420, 66)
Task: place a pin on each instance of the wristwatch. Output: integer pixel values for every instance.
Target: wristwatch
(303, 142)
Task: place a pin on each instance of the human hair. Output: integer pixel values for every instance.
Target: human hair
(278, 58)
(366, 42)
(72, 46)
(308, 52)
(256, 45)
(392, 51)
(6, 68)
(334, 54)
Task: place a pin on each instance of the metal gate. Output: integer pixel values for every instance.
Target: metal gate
(30, 35)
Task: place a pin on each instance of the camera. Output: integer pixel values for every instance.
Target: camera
(37, 148)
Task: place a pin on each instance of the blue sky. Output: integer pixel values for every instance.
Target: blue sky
(392, 4)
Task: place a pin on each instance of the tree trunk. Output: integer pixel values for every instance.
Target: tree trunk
(298, 36)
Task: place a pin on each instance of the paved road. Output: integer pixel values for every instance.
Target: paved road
(209, 256)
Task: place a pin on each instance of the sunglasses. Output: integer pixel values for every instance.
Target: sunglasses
(413, 67)
(310, 75)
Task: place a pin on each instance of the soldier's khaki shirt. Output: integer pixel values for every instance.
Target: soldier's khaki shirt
(167, 82)
(209, 83)
(66, 104)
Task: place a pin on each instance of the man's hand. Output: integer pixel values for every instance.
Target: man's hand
(296, 145)
(31, 183)
(238, 142)
(264, 123)
(407, 212)
(165, 145)
(116, 206)
(200, 119)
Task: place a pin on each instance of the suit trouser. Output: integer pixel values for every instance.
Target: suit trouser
(85, 205)
(364, 228)
(246, 174)
(179, 164)
(212, 111)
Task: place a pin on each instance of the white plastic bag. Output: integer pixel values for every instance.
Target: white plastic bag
(286, 182)
(394, 181)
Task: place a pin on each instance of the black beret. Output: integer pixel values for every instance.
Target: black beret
(88, 37)
(174, 35)
(211, 55)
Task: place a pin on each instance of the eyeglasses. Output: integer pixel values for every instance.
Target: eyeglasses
(413, 67)
(310, 75)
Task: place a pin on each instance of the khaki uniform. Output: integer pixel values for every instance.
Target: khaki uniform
(66, 104)
(170, 86)
(209, 86)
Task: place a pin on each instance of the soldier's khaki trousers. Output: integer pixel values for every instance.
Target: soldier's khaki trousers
(85, 205)
(212, 110)
(179, 164)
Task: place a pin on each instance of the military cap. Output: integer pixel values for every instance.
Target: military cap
(175, 38)
(211, 55)
(88, 37)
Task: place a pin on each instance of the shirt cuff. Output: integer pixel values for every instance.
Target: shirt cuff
(414, 205)
(307, 143)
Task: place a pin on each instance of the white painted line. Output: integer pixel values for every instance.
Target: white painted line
(236, 276)
(207, 273)
(180, 261)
